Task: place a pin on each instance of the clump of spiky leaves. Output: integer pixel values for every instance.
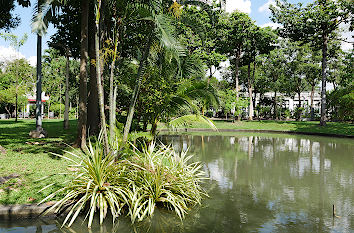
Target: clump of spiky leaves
(156, 176)
(159, 177)
(90, 187)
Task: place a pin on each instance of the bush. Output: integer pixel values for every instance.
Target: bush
(56, 109)
(341, 103)
(136, 185)
(298, 112)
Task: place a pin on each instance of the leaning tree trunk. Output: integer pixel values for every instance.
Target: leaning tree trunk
(82, 123)
(99, 82)
(136, 90)
(324, 76)
(66, 111)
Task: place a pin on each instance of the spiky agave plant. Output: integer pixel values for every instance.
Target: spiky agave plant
(156, 176)
(90, 187)
(160, 177)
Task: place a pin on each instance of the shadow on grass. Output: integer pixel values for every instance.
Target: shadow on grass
(15, 136)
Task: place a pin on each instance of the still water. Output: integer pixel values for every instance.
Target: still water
(257, 183)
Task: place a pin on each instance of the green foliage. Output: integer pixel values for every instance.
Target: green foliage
(311, 22)
(90, 186)
(341, 103)
(135, 186)
(186, 120)
(159, 177)
(240, 105)
(7, 20)
(17, 80)
(57, 108)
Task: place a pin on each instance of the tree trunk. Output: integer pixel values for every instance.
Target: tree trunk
(99, 83)
(136, 90)
(16, 105)
(8, 111)
(238, 57)
(298, 116)
(112, 111)
(114, 104)
(154, 127)
(275, 106)
(39, 85)
(59, 101)
(82, 123)
(66, 112)
(312, 109)
(48, 105)
(250, 111)
(210, 75)
(324, 76)
(93, 113)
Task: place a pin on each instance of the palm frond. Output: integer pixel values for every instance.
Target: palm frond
(43, 11)
(186, 120)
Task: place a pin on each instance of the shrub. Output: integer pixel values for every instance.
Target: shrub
(159, 177)
(57, 108)
(136, 185)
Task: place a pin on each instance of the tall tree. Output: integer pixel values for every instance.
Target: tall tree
(261, 41)
(237, 29)
(315, 23)
(161, 31)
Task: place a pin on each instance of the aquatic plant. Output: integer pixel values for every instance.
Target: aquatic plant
(135, 186)
(158, 176)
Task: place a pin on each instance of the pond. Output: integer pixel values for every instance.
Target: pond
(258, 183)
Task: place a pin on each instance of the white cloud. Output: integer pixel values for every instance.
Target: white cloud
(241, 5)
(272, 25)
(32, 60)
(265, 7)
(8, 54)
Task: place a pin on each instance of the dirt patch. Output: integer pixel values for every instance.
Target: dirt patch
(3, 179)
(2, 150)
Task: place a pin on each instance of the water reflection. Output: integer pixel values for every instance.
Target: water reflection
(257, 183)
(292, 181)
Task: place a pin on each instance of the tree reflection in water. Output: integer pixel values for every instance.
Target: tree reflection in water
(258, 183)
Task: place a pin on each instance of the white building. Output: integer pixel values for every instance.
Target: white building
(32, 101)
(292, 103)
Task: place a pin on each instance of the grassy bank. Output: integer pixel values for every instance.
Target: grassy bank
(27, 160)
(332, 128)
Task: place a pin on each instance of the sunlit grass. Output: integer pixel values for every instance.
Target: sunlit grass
(335, 128)
(29, 159)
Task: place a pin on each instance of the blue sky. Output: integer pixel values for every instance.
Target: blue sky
(258, 10)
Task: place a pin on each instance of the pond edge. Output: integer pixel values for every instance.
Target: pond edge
(257, 131)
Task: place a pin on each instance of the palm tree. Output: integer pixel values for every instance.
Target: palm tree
(162, 32)
(44, 10)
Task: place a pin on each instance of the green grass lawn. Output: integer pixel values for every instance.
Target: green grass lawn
(334, 128)
(27, 160)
